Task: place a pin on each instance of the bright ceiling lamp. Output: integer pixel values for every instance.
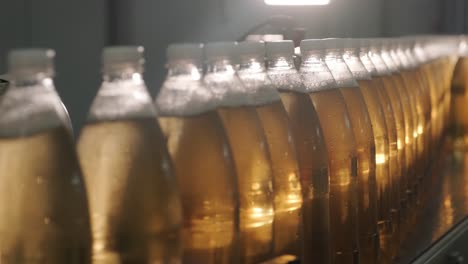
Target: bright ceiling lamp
(297, 2)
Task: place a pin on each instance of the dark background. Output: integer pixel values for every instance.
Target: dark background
(79, 29)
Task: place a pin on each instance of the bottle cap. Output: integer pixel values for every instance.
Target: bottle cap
(364, 43)
(351, 43)
(282, 47)
(251, 48)
(375, 43)
(185, 51)
(309, 45)
(123, 57)
(220, 49)
(333, 43)
(31, 61)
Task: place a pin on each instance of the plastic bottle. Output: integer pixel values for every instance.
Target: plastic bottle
(280, 140)
(250, 151)
(134, 203)
(202, 159)
(44, 209)
(339, 139)
(311, 151)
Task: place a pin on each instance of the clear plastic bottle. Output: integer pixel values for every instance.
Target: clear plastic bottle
(415, 87)
(459, 91)
(384, 123)
(134, 203)
(391, 109)
(396, 86)
(43, 208)
(423, 95)
(339, 139)
(408, 86)
(311, 151)
(250, 151)
(365, 147)
(280, 140)
(425, 71)
(202, 159)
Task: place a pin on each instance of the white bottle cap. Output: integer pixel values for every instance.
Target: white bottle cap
(185, 51)
(385, 43)
(123, 57)
(282, 47)
(364, 43)
(351, 43)
(31, 61)
(216, 50)
(309, 45)
(251, 48)
(333, 43)
(375, 43)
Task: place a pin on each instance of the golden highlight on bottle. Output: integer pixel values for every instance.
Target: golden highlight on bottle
(406, 87)
(396, 176)
(252, 163)
(339, 139)
(366, 173)
(383, 178)
(286, 180)
(44, 213)
(313, 164)
(460, 100)
(207, 182)
(135, 213)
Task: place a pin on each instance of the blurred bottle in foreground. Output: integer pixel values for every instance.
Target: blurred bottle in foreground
(202, 159)
(134, 206)
(43, 205)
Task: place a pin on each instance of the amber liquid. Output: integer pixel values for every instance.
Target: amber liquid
(383, 177)
(255, 176)
(435, 115)
(366, 170)
(396, 176)
(134, 207)
(424, 97)
(286, 180)
(460, 100)
(410, 86)
(208, 186)
(339, 139)
(424, 88)
(313, 165)
(44, 212)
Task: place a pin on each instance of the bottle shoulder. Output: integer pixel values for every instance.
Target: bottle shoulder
(121, 100)
(27, 111)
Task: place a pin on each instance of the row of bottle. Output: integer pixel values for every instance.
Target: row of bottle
(250, 159)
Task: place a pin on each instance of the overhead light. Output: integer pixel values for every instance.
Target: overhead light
(297, 2)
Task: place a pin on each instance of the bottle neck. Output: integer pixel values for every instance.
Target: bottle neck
(122, 75)
(351, 52)
(221, 65)
(183, 68)
(333, 54)
(252, 65)
(280, 62)
(28, 80)
(312, 58)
